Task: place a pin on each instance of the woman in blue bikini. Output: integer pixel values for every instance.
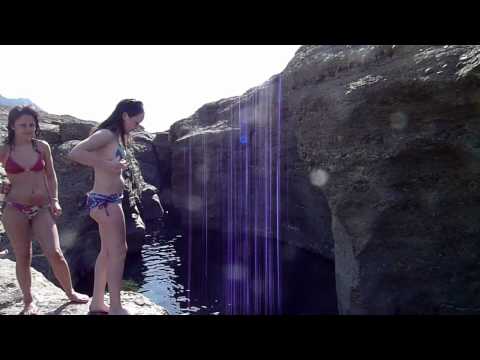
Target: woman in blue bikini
(104, 150)
(31, 202)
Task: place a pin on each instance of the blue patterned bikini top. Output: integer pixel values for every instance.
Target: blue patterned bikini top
(121, 153)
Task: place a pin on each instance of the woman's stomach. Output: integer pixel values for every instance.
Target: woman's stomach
(107, 184)
(31, 194)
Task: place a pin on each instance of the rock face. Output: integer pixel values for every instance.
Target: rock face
(153, 158)
(395, 128)
(235, 169)
(144, 151)
(371, 155)
(51, 300)
(236, 172)
(161, 144)
(151, 206)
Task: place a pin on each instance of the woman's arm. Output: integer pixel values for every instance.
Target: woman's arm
(4, 184)
(82, 152)
(51, 178)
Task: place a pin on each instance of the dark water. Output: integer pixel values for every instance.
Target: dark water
(163, 273)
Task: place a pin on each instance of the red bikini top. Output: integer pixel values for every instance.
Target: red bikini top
(12, 167)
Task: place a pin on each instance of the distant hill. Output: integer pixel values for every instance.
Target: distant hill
(20, 101)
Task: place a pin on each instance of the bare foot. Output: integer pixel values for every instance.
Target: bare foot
(98, 309)
(30, 309)
(121, 311)
(78, 298)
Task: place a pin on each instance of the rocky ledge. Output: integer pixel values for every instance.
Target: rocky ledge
(51, 300)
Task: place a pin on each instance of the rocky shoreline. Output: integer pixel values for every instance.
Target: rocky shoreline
(51, 300)
(365, 154)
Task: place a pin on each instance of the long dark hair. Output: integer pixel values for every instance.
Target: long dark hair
(114, 122)
(13, 115)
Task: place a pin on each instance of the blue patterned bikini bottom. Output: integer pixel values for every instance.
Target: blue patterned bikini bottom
(101, 201)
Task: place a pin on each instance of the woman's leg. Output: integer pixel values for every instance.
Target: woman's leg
(100, 280)
(113, 235)
(17, 228)
(45, 231)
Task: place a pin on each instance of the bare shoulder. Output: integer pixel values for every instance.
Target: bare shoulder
(103, 134)
(42, 145)
(97, 140)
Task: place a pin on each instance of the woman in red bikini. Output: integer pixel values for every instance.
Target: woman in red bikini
(31, 203)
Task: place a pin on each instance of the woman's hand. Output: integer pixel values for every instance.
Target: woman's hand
(55, 207)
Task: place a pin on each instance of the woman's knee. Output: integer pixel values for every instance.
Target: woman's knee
(55, 255)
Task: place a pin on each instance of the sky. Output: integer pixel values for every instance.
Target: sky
(173, 81)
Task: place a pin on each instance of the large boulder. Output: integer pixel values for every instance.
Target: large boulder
(144, 152)
(235, 169)
(367, 155)
(51, 300)
(162, 147)
(152, 151)
(230, 177)
(393, 131)
(151, 207)
(74, 129)
(79, 236)
(50, 133)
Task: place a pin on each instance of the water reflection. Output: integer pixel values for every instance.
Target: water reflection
(162, 274)
(163, 270)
